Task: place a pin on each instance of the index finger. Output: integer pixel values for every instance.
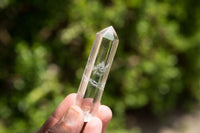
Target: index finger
(59, 112)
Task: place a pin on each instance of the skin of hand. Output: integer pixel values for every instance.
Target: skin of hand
(69, 118)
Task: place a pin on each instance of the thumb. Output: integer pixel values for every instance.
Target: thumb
(71, 122)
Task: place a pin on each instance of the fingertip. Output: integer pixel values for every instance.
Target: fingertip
(70, 97)
(64, 106)
(104, 113)
(93, 126)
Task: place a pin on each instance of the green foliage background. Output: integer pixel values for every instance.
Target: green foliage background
(44, 46)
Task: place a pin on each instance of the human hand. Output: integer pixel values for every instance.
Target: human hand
(69, 118)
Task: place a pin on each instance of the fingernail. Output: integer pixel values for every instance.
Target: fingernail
(71, 116)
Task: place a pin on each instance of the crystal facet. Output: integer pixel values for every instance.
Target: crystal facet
(96, 71)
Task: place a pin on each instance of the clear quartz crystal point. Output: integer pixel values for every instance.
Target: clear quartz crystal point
(96, 71)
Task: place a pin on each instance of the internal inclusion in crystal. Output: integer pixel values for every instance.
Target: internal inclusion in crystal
(105, 45)
(100, 66)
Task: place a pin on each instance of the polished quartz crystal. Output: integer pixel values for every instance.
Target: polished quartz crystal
(96, 71)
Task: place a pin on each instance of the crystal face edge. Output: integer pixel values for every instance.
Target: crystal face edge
(108, 33)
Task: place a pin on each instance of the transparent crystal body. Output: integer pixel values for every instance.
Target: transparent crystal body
(96, 71)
